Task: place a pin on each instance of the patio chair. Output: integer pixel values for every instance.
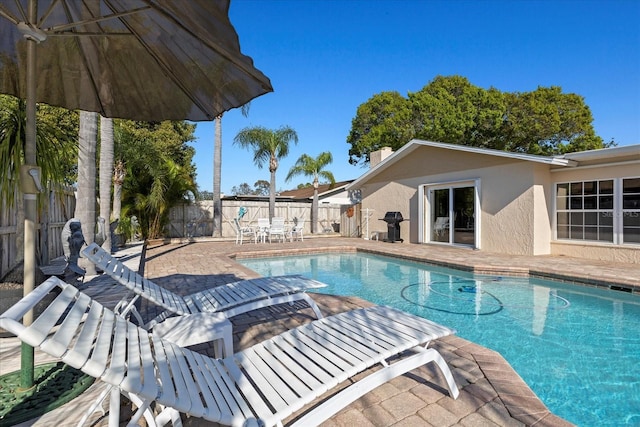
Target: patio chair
(195, 315)
(241, 232)
(263, 228)
(440, 226)
(277, 229)
(261, 385)
(297, 229)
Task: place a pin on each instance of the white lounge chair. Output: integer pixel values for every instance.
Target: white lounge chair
(225, 301)
(277, 229)
(261, 385)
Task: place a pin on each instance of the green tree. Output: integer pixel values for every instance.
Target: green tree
(243, 189)
(261, 187)
(385, 120)
(315, 168)
(159, 170)
(204, 195)
(269, 147)
(452, 110)
(547, 121)
(56, 141)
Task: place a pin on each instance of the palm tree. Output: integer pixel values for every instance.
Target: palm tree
(119, 172)
(308, 166)
(106, 168)
(269, 146)
(217, 171)
(86, 196)
(159, 171)
(56, 141)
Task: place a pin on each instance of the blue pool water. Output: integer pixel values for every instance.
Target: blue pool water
(577, 347)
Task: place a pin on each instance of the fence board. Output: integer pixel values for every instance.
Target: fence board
(196, 220)
(53, 213)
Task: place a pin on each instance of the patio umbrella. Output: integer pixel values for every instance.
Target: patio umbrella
(147, 60)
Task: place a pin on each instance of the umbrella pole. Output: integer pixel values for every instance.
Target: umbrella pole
(30, 200)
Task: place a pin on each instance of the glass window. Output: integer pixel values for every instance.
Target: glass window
(576, 189)
(631, 210)
(590, 187)
(606, 187)
(606, 202)
(584, 210)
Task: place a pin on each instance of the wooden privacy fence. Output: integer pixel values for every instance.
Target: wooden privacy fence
(55, 208)
(196, 219)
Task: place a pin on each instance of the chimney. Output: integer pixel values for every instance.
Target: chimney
(376, 157)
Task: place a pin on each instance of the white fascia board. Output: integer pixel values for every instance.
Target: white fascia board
(604, 153)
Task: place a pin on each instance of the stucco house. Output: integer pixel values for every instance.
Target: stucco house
(584, 204)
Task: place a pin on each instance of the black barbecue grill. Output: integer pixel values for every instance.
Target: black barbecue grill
(393, 220)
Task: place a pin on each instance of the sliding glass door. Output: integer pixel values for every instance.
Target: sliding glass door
(452, 215)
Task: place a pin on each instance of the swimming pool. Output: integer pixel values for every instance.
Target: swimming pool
(578, 348)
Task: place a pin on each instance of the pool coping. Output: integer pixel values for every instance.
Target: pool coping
(615, 284)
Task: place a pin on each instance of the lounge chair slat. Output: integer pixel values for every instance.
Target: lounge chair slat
(354, 330)
(270, 384)
(240, 382)
(117, 365)
(384, 331)
(97, 363)
(327, 359)
(134, 379)
(302, 374)
(59, 344)
(351, 339)
(167, 390)
(204, 382)
(44, 323)
(292, 351)
(311, 353)
(229, 402)
(328, 343)
(178, 375)
(338, 343)
(300, 392)
(78, 355)
(150, 387)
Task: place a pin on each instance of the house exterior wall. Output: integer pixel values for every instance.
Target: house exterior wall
(514, 215)
(592, 250)
(385, 197)
(517, 196)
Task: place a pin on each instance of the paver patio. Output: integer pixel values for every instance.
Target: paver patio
(491, 392)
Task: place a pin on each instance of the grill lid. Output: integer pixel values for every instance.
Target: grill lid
(393, 217)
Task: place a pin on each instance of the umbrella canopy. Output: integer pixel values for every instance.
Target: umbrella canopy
(135, 59)
(147, 60)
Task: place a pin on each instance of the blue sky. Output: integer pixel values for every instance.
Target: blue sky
(325, 58)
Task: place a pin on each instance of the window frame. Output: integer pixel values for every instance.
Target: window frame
(608, 204)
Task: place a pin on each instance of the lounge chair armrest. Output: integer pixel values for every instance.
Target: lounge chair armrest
(10, 319)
